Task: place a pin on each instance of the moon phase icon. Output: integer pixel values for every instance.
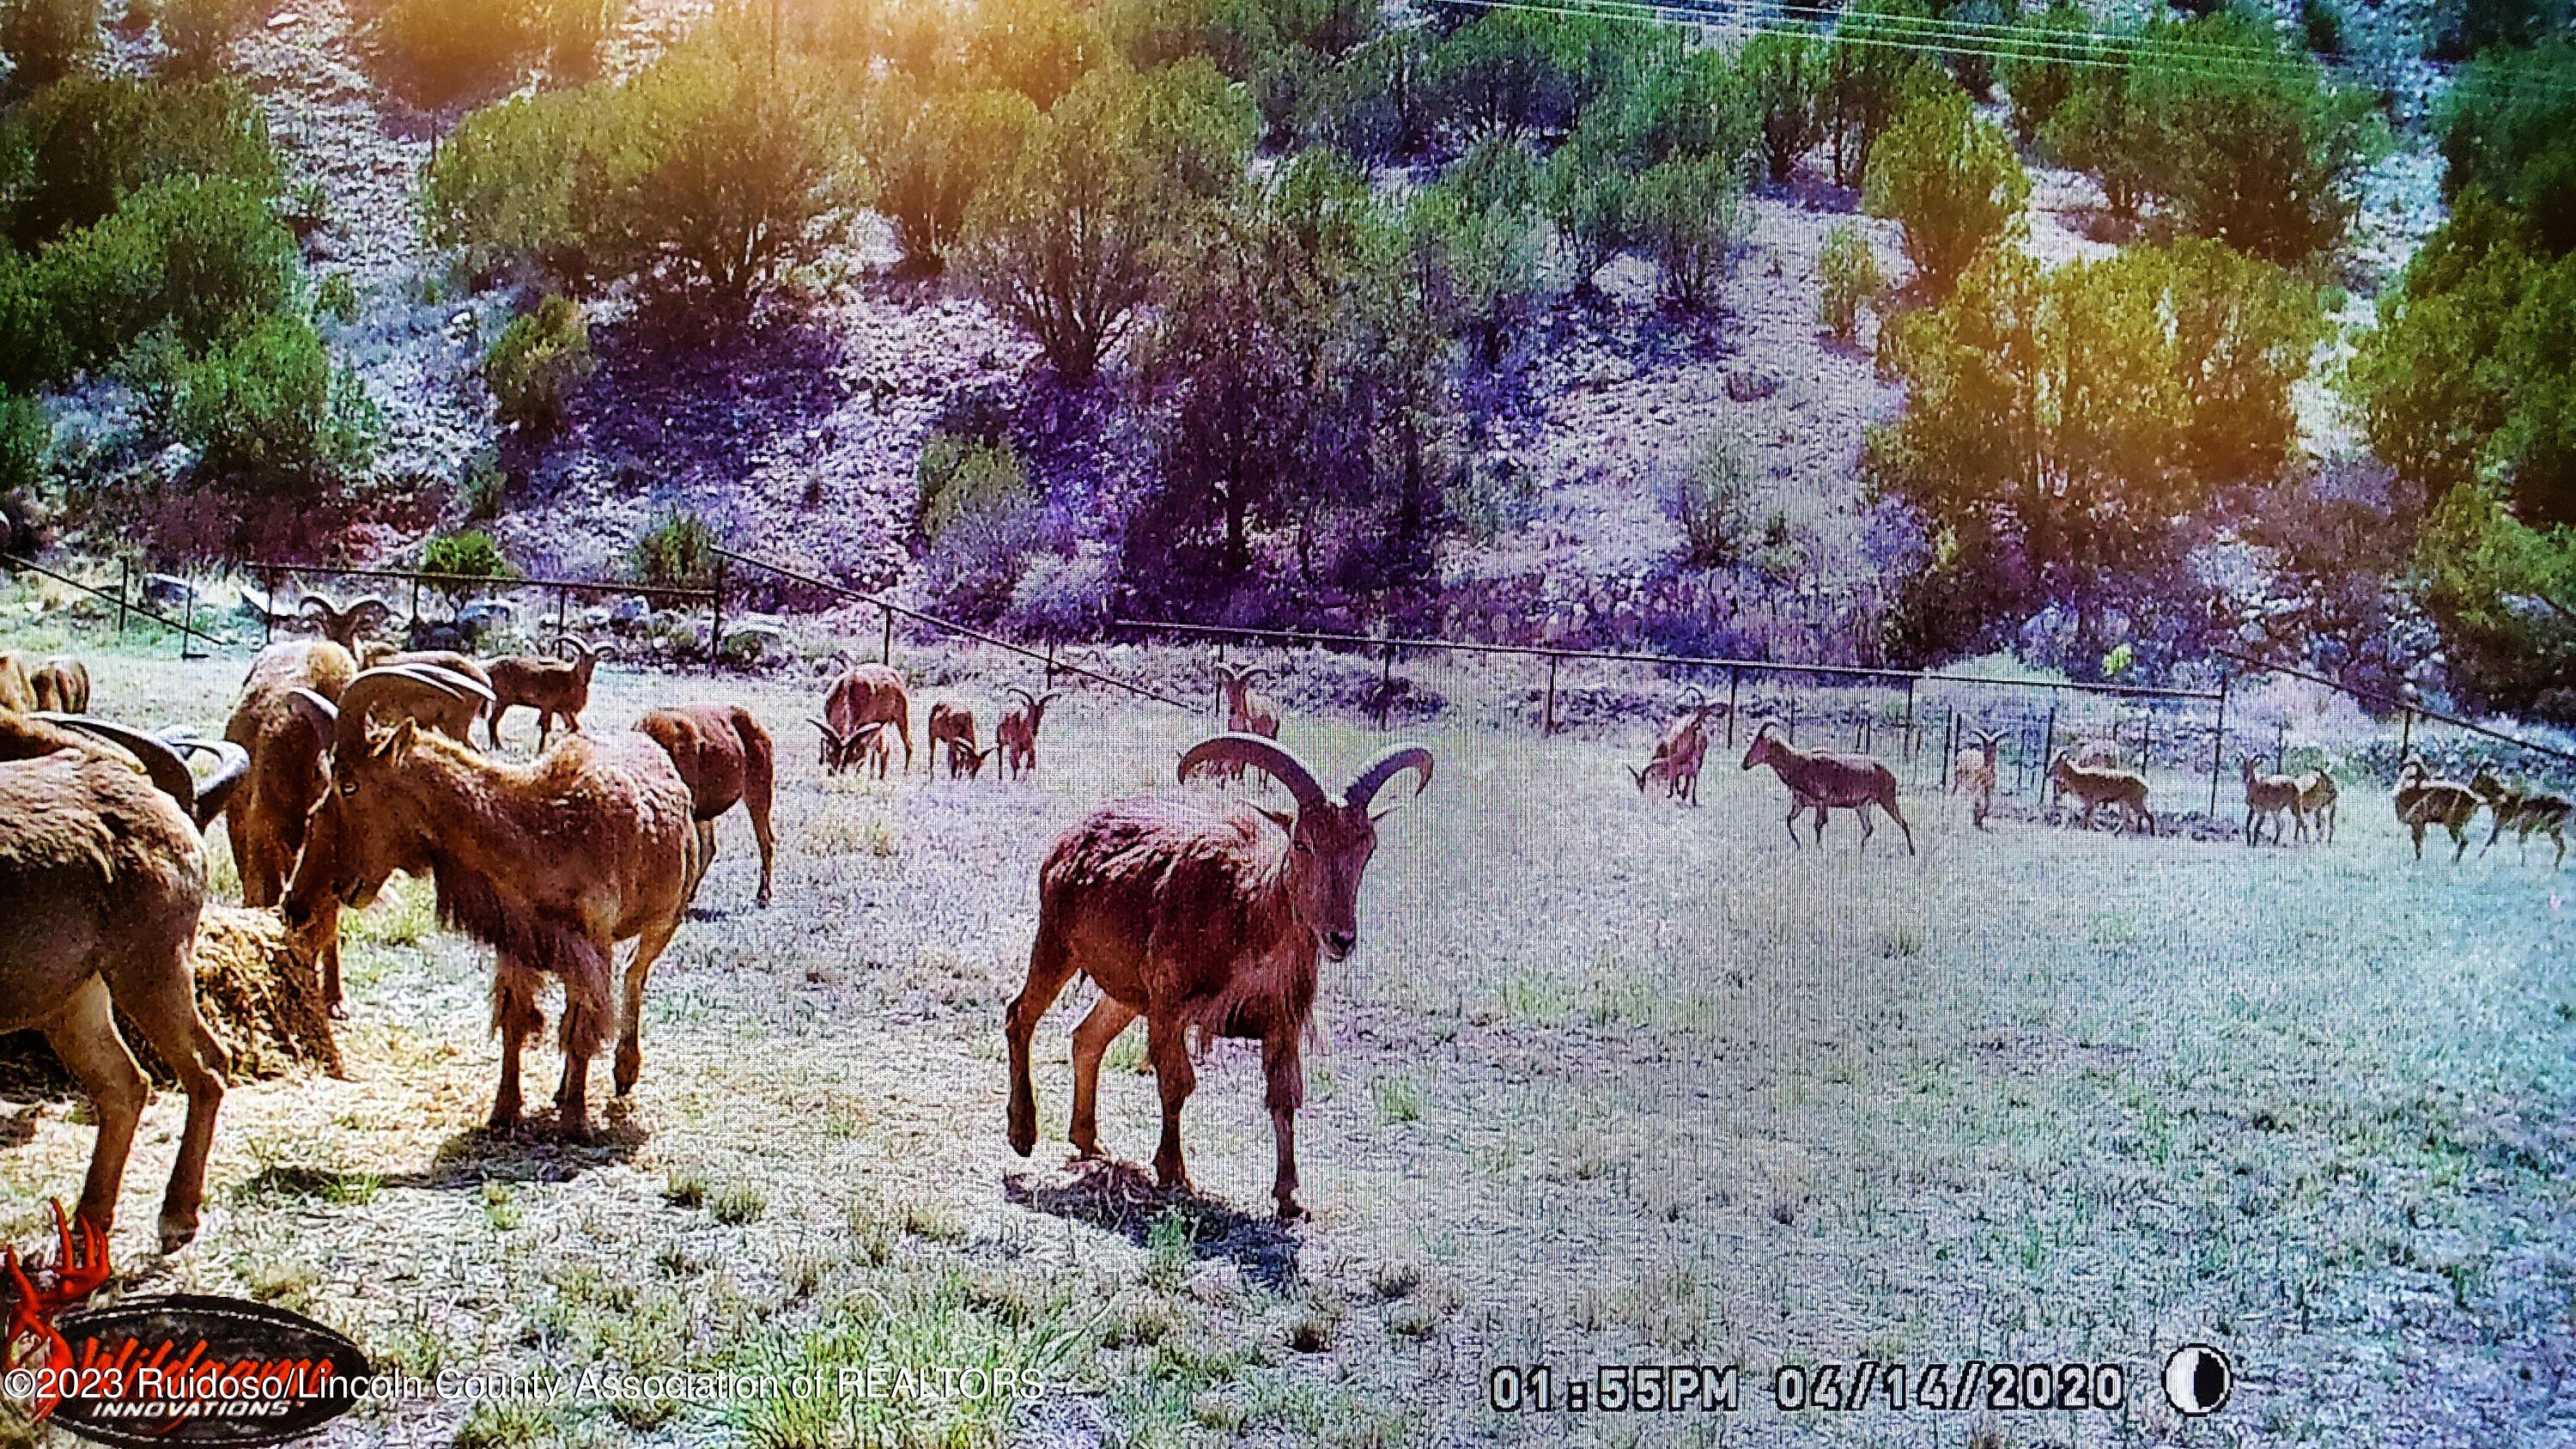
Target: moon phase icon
(2198, 1379)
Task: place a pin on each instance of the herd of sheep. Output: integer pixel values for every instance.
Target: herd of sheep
(346, 761)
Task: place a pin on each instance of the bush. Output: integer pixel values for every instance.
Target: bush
(1784, 78)
(959, 476)
(1692, 217)
(484, 488)
(1591, 200)
(1039, 48)
(570, 32)
(25, 437)
(2504, 594)
(678, 551)
(1710, 500)
(2463, 29)
(270, 415)
(2044, 61)
(2509, 127)
(536, 360)
(46, 40)
(932, 157)
(1951, 181)
(1478, 250)
(93, 141)
(531, 184)
(1851, 281)
(198, 32)
(2321, 24)
(1872, 72)
(443, 49)
(336, 299)
(203, 259)
(1530, 73)
(470, 554)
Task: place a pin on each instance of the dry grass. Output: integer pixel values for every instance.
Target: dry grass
(1610, 1080)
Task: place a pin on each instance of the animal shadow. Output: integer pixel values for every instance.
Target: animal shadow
(536, 1152)
(1121, 1198)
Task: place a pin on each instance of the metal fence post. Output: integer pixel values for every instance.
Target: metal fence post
(187, 614)
(715, 610)
(1385, 683)
(124, 588)
(2281, 749)
(1547, 718)
(2047, 747)
(1734, 676)
(1949, 748)
(2405, 735)
(1050, 668)
(2218, 744)
(1792, 731)
(885, 650)
(1909, 722)
(267, 616)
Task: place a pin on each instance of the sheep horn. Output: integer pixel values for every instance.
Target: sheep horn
(1026, 698)
(1390, 762)
(151, 752)
(232, 766)
(1693, 697)
(390, 682)
(369, 605)
(316, 601)
(1261, 753)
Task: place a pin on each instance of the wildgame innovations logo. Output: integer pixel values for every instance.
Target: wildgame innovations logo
(174, 1369)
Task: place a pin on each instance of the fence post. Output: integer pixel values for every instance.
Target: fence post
(1547, 720)
(2281, 749)
(124, 587)
(563, 601)
(1909, 722)
(1050, 668)
(2405, 736)
(187, 614)
(2218, 744)
(1792, 731)
(415, 606)
(1949, 748)
(885, 650)
(1385, 684)
(715, 608)
(2047, 747)
(1734, 676)
(267, 616)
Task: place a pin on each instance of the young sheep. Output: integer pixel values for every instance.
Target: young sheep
(952, 727)
(2422, 801)
(727, 760)
(61, 685)
(1016, 736)
(554, 688)
(2526, 812)
(1247, 711)
(855, 749)
(2317, 805)
(1824, 782)
(17, 695)
(1972, 773)
(2268, 797)
(1679, 752)
(870, 694)
(1207, 914)
(2097, 787)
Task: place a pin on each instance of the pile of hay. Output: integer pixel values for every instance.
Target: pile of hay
(262, 1003)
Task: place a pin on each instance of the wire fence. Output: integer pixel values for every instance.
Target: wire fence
(130, 605)
(459, 589)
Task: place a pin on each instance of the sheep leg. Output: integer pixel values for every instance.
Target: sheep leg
(701, 857)
(1050, 966)
(2491, 838)
(2417, 827)
(1824, 813)
(161, 1001)
(1796, 809)
(1166, 1043)
(2459, 841)
(492, 721)
(84, 1036)
(1868, 827)
(1889, 805)
(1091, 1040)
(649, 947)
(516, 1016)
(1287, 1092)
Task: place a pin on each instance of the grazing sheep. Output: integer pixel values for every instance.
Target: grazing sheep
(286, 766)
(551, 863)
(726, 758)
(2317, 806)
(1823, 781)
(1247, 711)
(856, 749)
(1016, 736)
(2268, 797)
(105, 873)
(2422, 801)
(344, 626)
(557, 689)
(1973, 773)
(1679, 752)
(2098, 787)
(60, 685)
(1206, 914)
(867, 694)
(2526, 812)
(953, 726)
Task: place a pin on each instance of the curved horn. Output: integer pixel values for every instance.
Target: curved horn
(450, 680)
(1693, 697)
(232, 766)
(312, 602)
(829, 733)
(153, 753)
(1026, 698)
(314, 710)
(390, 683)
(1390, 762)
(1261, 753)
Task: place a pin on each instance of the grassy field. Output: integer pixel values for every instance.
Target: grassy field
(1610, 1081)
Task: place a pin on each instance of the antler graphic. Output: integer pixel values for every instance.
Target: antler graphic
(80, 1269)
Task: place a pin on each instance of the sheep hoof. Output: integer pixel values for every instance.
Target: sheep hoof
(1290, 1211)
(178, 1230)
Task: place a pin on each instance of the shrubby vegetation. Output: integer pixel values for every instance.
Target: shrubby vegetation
(1850, 280)
(536, 360)
(2060, 423)
(270, 415)
(1950, 179)
(46, 40)
(677, 551)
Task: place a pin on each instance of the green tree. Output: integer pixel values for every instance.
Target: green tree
(46, 40)
(201, 258)
(1784, 81)
(2043, 64)
(1062, 245)
(2504, 594)
(2509, 127)
(95, 140)
(931, 157)
(1591, 200)
(26, 436)
(1950, 179)
(198, 32)
(1481, 256)
(1850, 281)
(1039, 48)
(440, 50)
(737, 173)
(2095, 127)
(1873, 69)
